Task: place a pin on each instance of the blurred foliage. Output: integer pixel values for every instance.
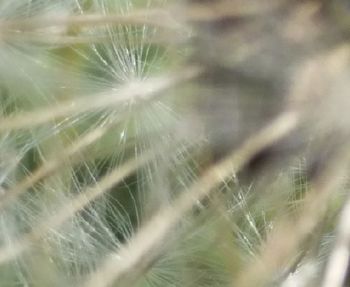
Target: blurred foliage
(61, 85)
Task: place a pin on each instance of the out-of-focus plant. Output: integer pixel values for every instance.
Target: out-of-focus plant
(191, 143)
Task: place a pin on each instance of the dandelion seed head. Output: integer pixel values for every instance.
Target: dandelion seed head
(117, 159)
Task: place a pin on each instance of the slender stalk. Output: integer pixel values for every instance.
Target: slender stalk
(338, 262)
(75, 205)
(153, 17)
(142, 250)
(289, 233)
(131, 92)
